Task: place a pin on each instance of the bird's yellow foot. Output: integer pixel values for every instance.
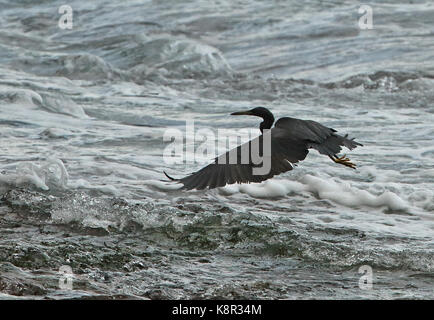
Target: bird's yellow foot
(344, 161)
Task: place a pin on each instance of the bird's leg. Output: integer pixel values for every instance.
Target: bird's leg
(343, 160)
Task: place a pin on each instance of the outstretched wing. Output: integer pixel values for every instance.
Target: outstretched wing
(284, 152)
(290, 140)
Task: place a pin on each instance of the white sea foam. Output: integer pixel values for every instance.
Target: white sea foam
(23, 97)
(330, 189)
(176, 57)
(64, 105)
(162, 185)
(84, 184)
(51, 174)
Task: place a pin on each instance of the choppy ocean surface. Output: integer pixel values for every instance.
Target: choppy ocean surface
(82, 118)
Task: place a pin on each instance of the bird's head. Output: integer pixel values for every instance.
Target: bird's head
(262, 112)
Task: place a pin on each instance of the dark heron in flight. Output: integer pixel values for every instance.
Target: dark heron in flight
(290, 140)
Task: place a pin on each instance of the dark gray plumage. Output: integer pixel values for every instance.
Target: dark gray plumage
(290, 140)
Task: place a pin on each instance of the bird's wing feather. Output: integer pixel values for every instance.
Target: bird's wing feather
(321, 138)
(284, 151)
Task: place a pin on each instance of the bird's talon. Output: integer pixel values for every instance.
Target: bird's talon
(344, 161)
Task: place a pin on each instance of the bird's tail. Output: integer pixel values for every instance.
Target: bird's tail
(332, 145)
(350, 143)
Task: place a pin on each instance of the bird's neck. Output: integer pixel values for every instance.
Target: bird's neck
(266, 124)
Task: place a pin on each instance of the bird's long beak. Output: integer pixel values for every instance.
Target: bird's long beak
(242, 113)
